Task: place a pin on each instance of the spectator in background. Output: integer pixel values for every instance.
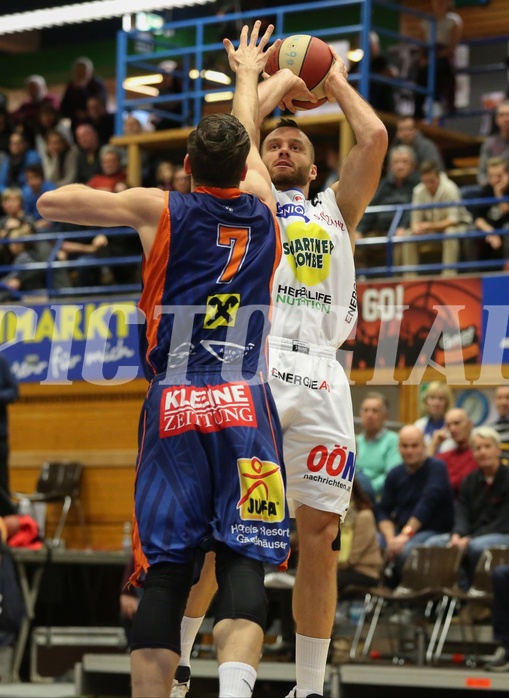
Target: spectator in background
(85, 248)
(6, 130)
(102, 120)
(59, 159)
(496, 145)
(83, 84)
(449, 28)
(437, 188)
(50, 120)
(8, 394)
(482, 510)
(112, 172)
(181, 181)
(12, 202)
(417, 501)
(28, 112)
(381, 95)
(134, 127)
(491, 217)
(500, 615)
(407, 133)
(34, 187)
(460, 459)
(14, 213)
(436, 400)
(89, 163)
(501, 424)
(171, 85)
(164, 175)
(360, 559)
(23, 253)
(377, 447)
(12, 170)
(396, 188)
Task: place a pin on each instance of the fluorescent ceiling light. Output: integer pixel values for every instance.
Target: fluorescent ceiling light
(142, 89)
(211, 76)
(84, 12)
(355, 55)
(152, 79)
(218, 96)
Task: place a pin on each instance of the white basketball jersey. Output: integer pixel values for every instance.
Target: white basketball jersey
(314, 286)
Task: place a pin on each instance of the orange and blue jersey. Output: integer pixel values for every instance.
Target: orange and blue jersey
(210, 446)
(207, 282)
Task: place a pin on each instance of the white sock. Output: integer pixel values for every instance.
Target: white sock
(310, 662)
(236, 680)
(188, 632)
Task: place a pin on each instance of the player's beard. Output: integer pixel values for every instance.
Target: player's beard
(288, 177)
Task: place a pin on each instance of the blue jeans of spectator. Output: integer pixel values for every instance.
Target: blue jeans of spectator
(473, 552)
(500, 581)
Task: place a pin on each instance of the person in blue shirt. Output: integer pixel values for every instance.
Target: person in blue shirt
(417, 500)
(8, 394)
(32, 190)
(12, 169)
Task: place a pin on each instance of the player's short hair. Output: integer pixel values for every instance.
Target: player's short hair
(218, 149)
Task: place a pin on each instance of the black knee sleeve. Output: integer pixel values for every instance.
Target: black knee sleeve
(241, 593)
(336, 543)
(157, 620)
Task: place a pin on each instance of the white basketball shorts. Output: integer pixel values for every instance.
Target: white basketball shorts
(314, 403)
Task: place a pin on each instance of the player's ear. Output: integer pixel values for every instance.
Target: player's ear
(313, 172)
(243, 173)
(187, 165)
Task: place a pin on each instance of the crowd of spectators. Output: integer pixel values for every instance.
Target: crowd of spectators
(416, 176)
(67, 135)
(439, 481)
(49, 141)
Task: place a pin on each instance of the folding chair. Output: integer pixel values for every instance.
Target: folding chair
(480, 592)
(58, 481)
(426, 574)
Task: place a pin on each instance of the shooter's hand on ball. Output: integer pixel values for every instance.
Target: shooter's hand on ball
(298, 91)
(337, 68)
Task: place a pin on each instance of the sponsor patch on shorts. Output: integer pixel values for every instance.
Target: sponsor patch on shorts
(206, 409)
(262, 495)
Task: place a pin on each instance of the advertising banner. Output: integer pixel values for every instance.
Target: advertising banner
(61, 343)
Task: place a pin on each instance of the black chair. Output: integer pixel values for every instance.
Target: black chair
(426, 575)
(480, 594)
(59, 481)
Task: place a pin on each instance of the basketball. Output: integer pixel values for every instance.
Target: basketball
(309, 58)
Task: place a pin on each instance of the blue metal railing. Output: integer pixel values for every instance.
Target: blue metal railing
(390, 241)
(52, 264)
(194, 56)
(484, 69)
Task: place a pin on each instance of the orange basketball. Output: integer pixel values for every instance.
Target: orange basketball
(309, 58)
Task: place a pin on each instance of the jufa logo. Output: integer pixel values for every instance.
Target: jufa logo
(262, 496)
